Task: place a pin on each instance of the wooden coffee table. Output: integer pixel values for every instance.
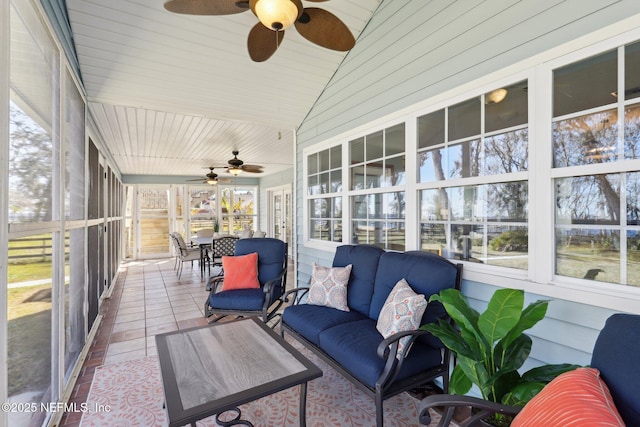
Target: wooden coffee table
(213, 369)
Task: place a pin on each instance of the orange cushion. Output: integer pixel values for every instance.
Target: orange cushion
(240, 272)
(575, 398)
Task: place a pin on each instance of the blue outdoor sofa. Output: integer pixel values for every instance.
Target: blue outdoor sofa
(349, 340)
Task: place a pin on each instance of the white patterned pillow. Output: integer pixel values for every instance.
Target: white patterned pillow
(329, 286)
(402, 311)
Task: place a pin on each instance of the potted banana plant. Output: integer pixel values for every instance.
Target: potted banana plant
(491, 347)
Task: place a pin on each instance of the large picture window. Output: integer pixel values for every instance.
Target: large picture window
(596, 122)
(472, 164)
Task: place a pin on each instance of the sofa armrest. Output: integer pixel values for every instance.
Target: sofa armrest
(447, 403)
(389, 346)
(302, 291)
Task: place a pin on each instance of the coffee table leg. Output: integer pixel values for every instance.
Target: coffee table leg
(303, 404)
(236, 421)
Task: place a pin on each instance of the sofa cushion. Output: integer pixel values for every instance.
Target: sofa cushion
(620, 338)
(239, 299)
(577, 397)
(364, 259)
(402, 311)
(309, 320)
(427, 273)
(354, 346)
(329, 286)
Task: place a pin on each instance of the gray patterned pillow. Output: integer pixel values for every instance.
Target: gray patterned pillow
(329, 286)
(402, 311)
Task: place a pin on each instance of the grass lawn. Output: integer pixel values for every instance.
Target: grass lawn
(29, 336)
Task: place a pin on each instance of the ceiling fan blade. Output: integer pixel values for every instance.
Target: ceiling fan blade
(252, 168)
(324, 29)
(263, 42)
(198, 179)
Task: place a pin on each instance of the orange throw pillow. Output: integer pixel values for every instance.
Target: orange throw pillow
(575, 398)
(240, 272)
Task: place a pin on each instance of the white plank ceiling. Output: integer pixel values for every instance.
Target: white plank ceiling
(173, 94)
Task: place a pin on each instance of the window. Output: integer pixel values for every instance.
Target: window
(324, 187)
(595, 129)
(239, 209)
(33, 176)
(203, 208)
(376, 171)
(472, 164)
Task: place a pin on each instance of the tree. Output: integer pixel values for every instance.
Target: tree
(30, 167)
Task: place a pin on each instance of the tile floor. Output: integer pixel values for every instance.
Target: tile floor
(147, 299)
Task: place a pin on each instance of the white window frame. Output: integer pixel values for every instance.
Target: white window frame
(537, 70)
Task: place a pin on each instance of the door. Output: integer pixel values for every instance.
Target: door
(280, 220)
(153, 222)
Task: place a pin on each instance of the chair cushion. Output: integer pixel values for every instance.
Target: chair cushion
(309, 320)
(402, 311)
(240, 272)
(329, 286)
(364, 259)
(354, 345)
(578, 397)
(239, 299)
(620, 338)
(272, 254)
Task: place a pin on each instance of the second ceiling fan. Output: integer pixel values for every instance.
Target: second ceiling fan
(314, 24)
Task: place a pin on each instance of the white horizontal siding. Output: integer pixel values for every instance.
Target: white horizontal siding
(398, 62)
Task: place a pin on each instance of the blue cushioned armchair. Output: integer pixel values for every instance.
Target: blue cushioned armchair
(272, 275)
(616, 355)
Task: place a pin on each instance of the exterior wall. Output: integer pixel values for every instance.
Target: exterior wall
(414, 52)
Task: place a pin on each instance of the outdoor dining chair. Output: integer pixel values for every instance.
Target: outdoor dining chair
(183, 253)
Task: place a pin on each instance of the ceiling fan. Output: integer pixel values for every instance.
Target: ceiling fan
(211, 178)
(237, 166)
(314, 24)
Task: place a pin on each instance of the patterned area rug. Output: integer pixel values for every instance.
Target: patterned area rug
(132, 391)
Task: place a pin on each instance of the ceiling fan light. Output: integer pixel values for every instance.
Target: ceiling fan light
(277, 15)
(212, 181)
(234, 170)
(496, 96)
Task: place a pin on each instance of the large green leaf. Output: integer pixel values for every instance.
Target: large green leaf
(501, 383)
(465, 317)
(502, 314)
(531, 315)
(546, 373)
(522, 393)
(515, 355)
(476, 371)
(533, 381)
(459, 382)
(450, 337)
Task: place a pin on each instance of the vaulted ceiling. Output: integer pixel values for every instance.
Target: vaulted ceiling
(172, 94)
